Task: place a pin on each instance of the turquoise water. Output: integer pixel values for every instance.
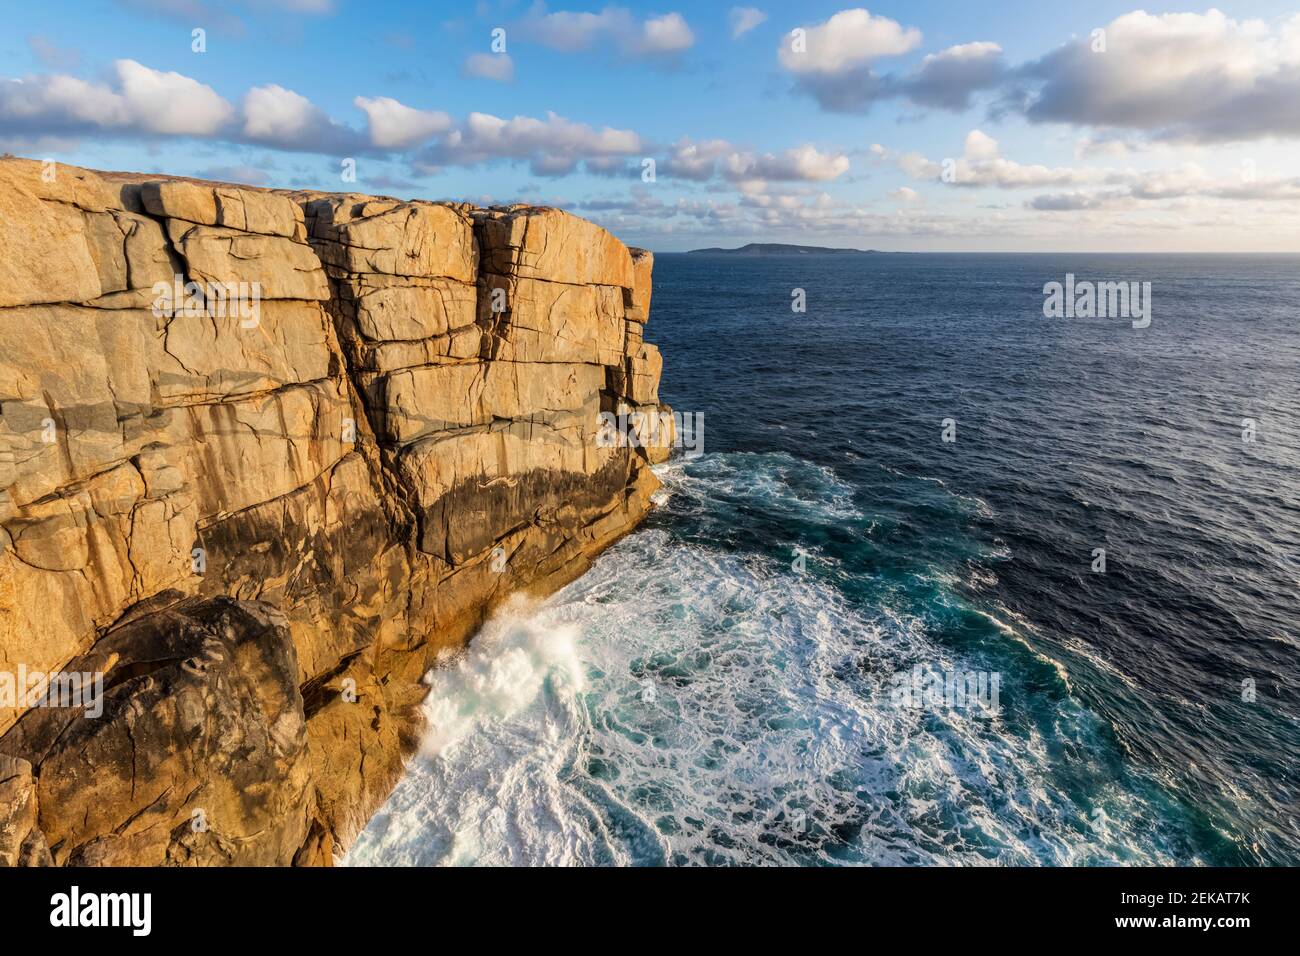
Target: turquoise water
(705, 695)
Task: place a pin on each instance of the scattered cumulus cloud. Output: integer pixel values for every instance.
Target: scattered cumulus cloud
(1186, 181)
(147, 103)
(719, 158)
(947, 80)
(801, 164)
(836, 65)
(275, 116)
(170, 103)
(666, 34)
(553, 146)
(1176, 77)
(765, 217)
(1089, 188)
(743, 19)
(140, 101)
(845, 43)
(688, 159)
(1167, 87)
(1179, 76)
(614, 28)
(393, 125)
(980, 146)
(982, 165)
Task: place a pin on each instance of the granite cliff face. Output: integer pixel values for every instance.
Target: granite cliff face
(259, 527)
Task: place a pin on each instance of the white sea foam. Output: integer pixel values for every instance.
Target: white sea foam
(485, 788)
(685, 704)
(501, 673)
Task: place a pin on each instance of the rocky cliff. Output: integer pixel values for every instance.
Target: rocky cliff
(252, 509)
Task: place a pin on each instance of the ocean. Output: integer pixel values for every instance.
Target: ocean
(1109, 539)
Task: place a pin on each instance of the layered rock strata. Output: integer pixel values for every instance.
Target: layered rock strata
(257, 527)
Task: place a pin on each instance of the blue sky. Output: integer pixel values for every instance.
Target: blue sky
(921, 125)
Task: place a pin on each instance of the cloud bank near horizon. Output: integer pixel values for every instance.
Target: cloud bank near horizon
(1148, 89)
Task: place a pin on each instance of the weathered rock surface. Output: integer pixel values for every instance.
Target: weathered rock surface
(261, 531)
(21, 841)
(199, 755)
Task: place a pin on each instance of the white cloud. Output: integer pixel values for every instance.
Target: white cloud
(847, 41)
(1201, 77)
(394, 125)
(280, 117)
(918, 167)
(51, 108)
(55, 103)
(765, 217)
(666, 34)
(169, 102)
(947, 79)
(571, 32)
(979, 145)
(272, 112)
(552, 146)
(145, 101)
(744, 19)
(490, 66)
(697, 161)
(837, 65)
(800, 164)
(982, 165)
(749, 170)
(1183, 182)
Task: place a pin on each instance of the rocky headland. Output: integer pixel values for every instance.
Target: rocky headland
(255, 525)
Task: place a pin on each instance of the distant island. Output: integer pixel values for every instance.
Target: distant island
(779, 249)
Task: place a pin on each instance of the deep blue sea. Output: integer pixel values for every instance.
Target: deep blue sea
(703, 696)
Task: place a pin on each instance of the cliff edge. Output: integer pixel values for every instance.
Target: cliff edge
(263, 455)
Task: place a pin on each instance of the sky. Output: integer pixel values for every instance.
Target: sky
(915, 126)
